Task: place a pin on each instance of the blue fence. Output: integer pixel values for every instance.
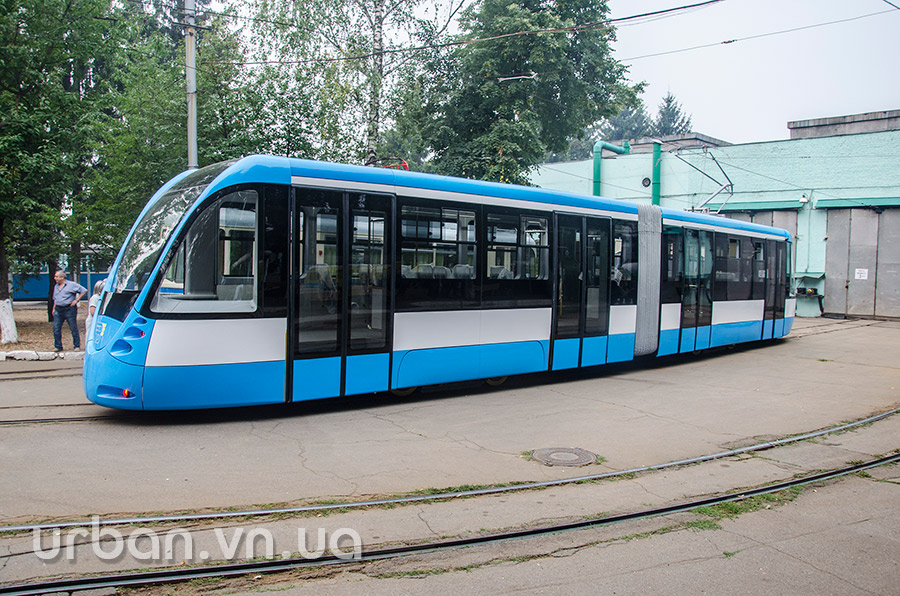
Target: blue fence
(36, 287)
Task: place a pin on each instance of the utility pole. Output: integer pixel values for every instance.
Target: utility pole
(190, 61)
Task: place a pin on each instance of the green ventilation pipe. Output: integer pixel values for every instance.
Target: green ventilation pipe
(657, 159)
(599, 146)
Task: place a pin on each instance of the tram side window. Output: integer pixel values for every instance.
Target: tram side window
(213, 270)
(732, 269)
(503, 239)
(758, 272)
(518, 247)
(517, 261)
(673, 265)
(788, 275)
(624, 271)
(437, 257)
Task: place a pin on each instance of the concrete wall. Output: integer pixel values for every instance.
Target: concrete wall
(845, 125)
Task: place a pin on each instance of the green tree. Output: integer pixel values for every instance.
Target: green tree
(53, 73)
(348, 56)
(142, 136)
(630, 123)
(670, 120)
(499, 105)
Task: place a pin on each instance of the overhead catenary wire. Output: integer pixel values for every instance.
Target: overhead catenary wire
(464, 42)
(751, 37)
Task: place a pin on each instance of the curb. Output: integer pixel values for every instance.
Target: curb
(43, 356)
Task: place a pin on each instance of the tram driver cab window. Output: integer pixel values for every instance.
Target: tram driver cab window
(213, 268)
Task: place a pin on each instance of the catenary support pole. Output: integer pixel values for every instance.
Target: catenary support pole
(190, 60)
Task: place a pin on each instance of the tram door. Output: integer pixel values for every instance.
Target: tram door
(340, 332)
(581, 317)
(776, 263)
(696, 306)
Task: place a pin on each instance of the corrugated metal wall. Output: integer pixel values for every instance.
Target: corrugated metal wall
(862, 262)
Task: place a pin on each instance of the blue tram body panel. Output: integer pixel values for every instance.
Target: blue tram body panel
(316, 378)
(593, 350)
(153, 358)
(565, 353)
(213, 385)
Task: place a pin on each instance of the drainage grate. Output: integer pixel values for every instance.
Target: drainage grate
(564, 456)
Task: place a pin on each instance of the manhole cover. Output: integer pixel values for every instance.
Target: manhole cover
(564, 456)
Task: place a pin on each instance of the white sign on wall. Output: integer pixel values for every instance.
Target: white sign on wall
(862, 274)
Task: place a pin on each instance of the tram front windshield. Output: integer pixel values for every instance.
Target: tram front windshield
(144, 248)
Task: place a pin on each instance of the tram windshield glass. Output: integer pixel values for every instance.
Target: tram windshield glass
(143, 249)
(145, 246)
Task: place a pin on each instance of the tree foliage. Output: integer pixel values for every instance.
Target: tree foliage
(670, 120)
(630, 123)
(54, 78)
(141, 137)
(344, 58)
(493, 108)
(92, 98)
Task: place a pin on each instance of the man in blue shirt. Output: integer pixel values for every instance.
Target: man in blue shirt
(66, 295)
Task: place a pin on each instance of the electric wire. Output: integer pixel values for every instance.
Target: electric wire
(751, 37)
(464, 42)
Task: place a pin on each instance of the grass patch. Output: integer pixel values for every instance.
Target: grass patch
(703, 524)
(733, 509)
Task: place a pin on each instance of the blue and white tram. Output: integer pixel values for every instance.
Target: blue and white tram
(269, 280)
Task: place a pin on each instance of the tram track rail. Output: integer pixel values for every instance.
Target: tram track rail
(66, 408)
(406, 500)
(230, 570)
(26, 375)
(65, 419)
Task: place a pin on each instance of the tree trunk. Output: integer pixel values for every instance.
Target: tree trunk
(8, 332)
(377, 76)
(75, 262)
(52, 266)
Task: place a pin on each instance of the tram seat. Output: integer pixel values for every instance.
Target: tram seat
(441, 272)
(320, 275)
(235, 289)
(462, 271)
(362, 274)
(377, 274)
(423, 271)
(317, 291)
(501, 273)
(405, 272)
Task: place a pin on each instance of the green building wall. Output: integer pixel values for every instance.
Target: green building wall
(789, 184)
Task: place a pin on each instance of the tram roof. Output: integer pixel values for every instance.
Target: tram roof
(261, 168)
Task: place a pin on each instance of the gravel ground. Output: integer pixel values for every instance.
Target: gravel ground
(36, 332)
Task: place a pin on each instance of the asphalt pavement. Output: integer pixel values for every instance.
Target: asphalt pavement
(841, 537)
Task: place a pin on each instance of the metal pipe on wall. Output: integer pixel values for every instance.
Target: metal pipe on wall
(599, 146)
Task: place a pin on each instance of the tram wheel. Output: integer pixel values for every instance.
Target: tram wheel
(405, 392)
(495, 381)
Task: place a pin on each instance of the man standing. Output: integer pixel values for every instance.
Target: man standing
(66, 295)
